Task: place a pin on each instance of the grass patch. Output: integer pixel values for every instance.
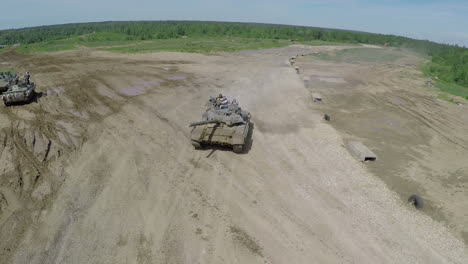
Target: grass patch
(201, 45)
(88, 40)
(447, 98)
(443, 85)
(211, 45)
(452, 88)
(7, 70)
(49, 46)
(362, 55)
(325, 43)
(5, 49)
(130, 44)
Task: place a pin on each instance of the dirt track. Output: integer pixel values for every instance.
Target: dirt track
(107, 174)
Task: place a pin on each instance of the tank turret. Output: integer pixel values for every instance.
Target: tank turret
(231, 130)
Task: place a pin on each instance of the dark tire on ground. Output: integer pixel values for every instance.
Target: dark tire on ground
(416, 200)
(238, 148)
(326, 117)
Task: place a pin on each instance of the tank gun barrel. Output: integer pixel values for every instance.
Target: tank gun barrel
(200, 123)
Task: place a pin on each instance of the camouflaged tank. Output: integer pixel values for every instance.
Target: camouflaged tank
(18, 91)
(5, 79)
(227, 125)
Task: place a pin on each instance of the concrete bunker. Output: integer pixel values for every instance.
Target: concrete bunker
(361, 152)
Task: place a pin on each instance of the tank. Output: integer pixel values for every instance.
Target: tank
(18, 91)
(5, 79)
(221, 125)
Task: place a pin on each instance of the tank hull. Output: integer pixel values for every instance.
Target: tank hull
(22, 95)
(220, 135)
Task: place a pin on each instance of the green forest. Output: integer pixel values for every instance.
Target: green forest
(448, 63)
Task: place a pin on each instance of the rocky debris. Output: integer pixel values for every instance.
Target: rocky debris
(3, 141)
(6, 160)
(83, 115)
(54, 151)
(29, 138)
(3, 202)
(46, 149)
(429, 82)
(63, 138)
(42, 191)
(28, 176)
(317, 97)
(59, 172)
(20, 125)
(41, 146)
(72, 131)
(75, 142)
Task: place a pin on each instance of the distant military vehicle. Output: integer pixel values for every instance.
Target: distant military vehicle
(17, 91)
(223, 124)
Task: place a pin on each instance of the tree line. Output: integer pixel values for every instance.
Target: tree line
(449, 63)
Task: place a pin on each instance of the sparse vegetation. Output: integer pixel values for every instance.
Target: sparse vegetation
(7, 70)
(447, 98)
(49, 46)
(367, 55)
(202, 45)
(452, 88)
(122, 43)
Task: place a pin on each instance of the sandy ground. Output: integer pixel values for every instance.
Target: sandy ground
(100, 169)
(421, 141)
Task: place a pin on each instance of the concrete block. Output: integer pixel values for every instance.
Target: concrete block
(316, 97)
(361, 152)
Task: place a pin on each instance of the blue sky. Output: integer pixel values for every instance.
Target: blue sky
(437, 20)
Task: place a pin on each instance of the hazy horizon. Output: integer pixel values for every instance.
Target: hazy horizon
(435, 20)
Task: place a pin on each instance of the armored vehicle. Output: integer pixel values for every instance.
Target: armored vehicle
(5, 79)
(222, 125)
(18, 91)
